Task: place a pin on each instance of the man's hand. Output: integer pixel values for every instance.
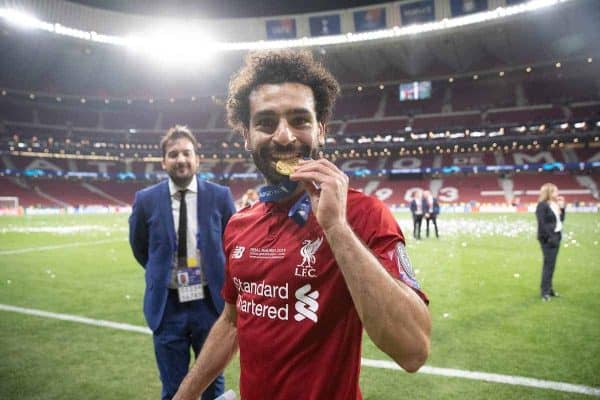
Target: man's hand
(327, 187)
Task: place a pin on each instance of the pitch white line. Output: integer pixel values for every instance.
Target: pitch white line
(497, 378)
(75, 318)
(454, 373)
(56, 247)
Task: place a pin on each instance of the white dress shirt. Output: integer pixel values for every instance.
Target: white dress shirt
(191, 202)
(556, 210)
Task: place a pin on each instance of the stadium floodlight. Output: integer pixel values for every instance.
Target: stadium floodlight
(175, 45)
(24, 20)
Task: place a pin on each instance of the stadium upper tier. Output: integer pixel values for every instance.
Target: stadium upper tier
(521, 108)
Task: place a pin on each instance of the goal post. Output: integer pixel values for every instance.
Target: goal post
(9, 202)
(9, 205)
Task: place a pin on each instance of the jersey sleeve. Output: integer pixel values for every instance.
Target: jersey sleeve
(377, 227)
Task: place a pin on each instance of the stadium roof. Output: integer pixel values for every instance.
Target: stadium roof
(36, 61)
(224, 8)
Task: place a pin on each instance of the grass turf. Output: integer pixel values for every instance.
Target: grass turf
(482, 277)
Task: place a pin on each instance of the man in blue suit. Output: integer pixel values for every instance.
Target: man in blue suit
(183, 277)
(431, 209)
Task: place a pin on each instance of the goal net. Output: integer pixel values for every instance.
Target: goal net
(9, 205)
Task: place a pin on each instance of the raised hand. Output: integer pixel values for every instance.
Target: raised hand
(327, 187)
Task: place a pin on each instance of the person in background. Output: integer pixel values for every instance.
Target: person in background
(550, 214)
(416, 208)
(249, 198)
(314, 262)
(431, 209)
(175, 231)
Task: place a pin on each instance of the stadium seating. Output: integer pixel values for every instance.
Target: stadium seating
(525, 115)
(473, 188)
(482, 94)
(70, 192)
(441, 122)
(371, 127)
(123, 192)
(585, 110)
(357, 105)
(527, 186)
(27, 196)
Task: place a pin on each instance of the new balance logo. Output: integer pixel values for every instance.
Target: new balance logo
(306, 306)
(238, 252)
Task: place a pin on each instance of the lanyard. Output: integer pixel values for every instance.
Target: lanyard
(301, 208)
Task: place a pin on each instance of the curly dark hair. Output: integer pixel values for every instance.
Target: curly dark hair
(274, 67)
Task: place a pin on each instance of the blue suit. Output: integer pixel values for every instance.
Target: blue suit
(431, 214)
(177, 326)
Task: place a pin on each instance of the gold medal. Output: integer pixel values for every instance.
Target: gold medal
(286, 167)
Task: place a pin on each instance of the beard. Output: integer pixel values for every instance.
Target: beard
(263, 160)
(182, 179)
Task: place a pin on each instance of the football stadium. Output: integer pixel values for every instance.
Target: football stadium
(480, 102)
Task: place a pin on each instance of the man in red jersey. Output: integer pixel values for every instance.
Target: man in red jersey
(311, 264)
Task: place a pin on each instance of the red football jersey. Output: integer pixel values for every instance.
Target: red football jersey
(299, 333)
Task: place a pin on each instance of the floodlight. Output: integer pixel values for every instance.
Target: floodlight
(24, 20)
(175, 45)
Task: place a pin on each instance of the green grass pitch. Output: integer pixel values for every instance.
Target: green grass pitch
(482, 276)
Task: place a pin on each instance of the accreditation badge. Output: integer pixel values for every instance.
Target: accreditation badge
(189, 282)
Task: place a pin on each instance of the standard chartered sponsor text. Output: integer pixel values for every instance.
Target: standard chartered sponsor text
(264, 290)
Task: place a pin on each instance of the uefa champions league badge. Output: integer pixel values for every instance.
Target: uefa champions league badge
(407, 274)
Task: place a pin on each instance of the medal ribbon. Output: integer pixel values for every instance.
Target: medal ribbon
(301, 208)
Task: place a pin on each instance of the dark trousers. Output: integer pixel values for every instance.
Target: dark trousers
(432, 218)
(184, 326)
(550, 251)
(417, 220)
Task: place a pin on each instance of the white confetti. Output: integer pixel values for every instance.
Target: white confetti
(9, 281)
(446, 315)
(517, 275)
(464, 244)
(52, 276)
(127, 296)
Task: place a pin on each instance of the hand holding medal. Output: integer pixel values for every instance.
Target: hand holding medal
(327, 187)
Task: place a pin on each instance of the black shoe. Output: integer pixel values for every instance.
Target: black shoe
(554, 294)
(546, 297)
